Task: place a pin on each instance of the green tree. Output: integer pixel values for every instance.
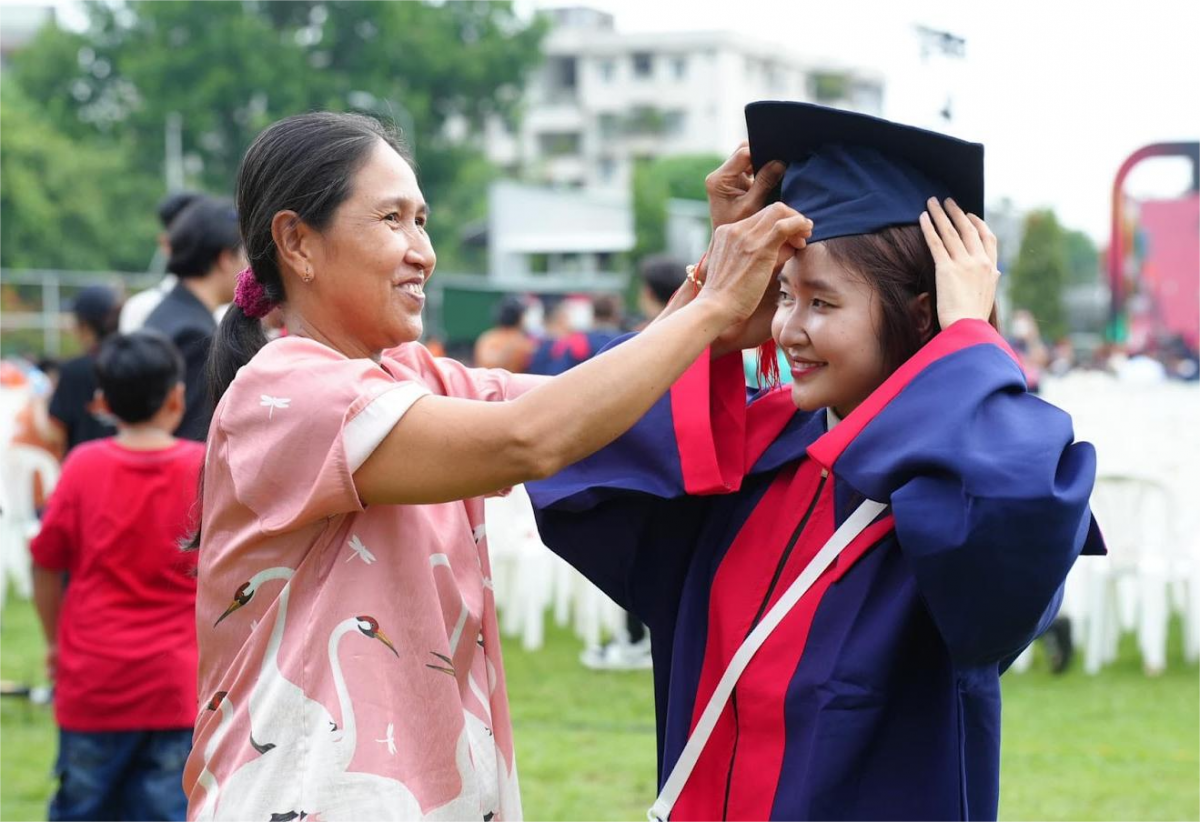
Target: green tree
(67, 203)
(1083, 260)
(1040, 273)
(230, 68)
(667, 178)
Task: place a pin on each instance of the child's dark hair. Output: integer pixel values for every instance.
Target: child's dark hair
(136, 372)
(199, 234)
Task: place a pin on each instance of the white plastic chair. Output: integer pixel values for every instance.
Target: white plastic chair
(19, 464)
(1129, 588)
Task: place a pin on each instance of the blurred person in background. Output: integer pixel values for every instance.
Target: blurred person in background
(206, 256)
(1025, 338)
(72, 410)
(138, 307)
(506, 345)
(566, 342)
(32, 425)
(121, 639)
(661, 276)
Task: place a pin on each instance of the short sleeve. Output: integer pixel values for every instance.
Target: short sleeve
(54, 546)
(296, 424)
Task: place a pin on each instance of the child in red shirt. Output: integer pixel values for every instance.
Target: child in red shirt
(122, 632)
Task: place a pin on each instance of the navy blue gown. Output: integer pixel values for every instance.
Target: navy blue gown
(878, 697)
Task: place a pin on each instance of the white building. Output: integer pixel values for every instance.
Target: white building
(603, 99)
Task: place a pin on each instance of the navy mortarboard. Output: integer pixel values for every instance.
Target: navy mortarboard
(852, 173)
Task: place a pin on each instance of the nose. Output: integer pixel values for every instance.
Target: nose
(793, 331)
(421, 255)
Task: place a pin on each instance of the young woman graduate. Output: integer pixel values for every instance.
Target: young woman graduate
(959, 502)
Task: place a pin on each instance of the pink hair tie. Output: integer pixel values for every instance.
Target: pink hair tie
(250, 296)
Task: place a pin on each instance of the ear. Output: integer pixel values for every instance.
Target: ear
(177, 398)
(100, 404)
(921, 307)
(296, 243)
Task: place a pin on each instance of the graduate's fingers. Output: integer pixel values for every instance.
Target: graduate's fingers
(936, 248)
(990, 243)
(967, 232)
(945, 229)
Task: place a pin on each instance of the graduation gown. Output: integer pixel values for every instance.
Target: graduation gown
(878, 696)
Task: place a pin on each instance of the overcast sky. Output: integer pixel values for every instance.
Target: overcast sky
(1059, 92)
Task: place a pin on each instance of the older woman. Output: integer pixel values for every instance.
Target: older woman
(349, 655)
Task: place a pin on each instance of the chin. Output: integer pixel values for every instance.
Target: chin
(806, 400)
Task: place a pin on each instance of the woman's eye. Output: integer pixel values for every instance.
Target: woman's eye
(394, 217)
(783, 298)
(818, 303)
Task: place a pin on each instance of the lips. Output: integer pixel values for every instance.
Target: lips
(805, 368)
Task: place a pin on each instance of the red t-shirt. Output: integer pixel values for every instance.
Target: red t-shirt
(127, 631)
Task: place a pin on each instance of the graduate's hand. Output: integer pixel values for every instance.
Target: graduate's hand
(735, 191)
(964, 251)
(744, 257)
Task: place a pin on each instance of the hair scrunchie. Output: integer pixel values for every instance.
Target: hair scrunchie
(250, 296)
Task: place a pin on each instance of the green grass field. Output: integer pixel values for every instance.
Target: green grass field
(1115, 746)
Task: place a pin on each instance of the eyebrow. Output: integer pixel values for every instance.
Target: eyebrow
(401, 202)
(818, 284)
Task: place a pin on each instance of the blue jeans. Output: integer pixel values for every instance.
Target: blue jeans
(121, 775)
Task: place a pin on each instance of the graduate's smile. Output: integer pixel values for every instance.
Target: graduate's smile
(802, 369)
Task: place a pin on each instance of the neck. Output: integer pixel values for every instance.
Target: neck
(144, 437)
(205, 290)
(329, 335)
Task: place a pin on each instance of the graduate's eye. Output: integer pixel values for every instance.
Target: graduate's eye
(817, 302)
(783, 298)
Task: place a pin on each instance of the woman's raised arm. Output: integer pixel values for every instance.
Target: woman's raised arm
(445, 449)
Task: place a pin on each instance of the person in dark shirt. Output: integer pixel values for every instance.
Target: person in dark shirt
(95, 310)
(206, 255)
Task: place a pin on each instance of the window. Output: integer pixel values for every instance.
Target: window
(610, 126)
(561, 78)
(646, 120)
(674, 122)
(559, 143)
(607, 169)
(679, 67)
(643, 64)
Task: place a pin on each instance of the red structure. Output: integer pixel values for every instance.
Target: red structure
(1158, 261)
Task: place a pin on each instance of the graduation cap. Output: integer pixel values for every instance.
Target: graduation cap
(853, 173)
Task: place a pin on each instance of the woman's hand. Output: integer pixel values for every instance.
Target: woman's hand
(743, 258)
(735, 191)
(964, 251)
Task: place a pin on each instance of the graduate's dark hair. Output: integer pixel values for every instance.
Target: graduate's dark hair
(306, 164)
(136, 372)
(897, 264)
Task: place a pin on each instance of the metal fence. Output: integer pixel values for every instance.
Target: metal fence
(35, 300)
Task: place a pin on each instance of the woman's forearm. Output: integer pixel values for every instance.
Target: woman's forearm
(589, 406)
(453, 448)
